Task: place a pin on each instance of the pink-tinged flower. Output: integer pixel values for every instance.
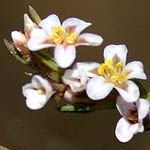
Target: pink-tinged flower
(132, 120)
(20, 39)
(115, 74)
(64, 37)
(77, 77)
(37, 93)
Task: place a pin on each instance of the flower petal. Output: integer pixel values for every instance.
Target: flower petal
(75, 79)
(143, 108)
(75, 25)
(49, 23)
(28, 24)
(19, 39)
(125, 131)
(134, 70)
(89, 39)
(39, 40)
(39, 82)
(35, 101)
(64, 55)
(124, 107)
(116, 52)
(98, 88)
(90, 68)
(130, 92)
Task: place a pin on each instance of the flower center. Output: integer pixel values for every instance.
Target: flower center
(112, 72)
(60, 35)
(41, 91)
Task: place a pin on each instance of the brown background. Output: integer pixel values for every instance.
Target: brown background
(119, 22)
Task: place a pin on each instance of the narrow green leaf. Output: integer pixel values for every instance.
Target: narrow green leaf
(3, 148)
(14, 51)
(34, 15)
(79, 108)
(47, 61)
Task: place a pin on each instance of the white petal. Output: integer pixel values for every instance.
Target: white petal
(130, 92)
(118, 52)
(64, 56)
(39, 40)
(19, 39)
(89, 39)
(124, 107)
(75, 79)
(49, 23)
(98, 88)
(143, 108)
(125, 131)
(36, 101)
(39, 82)
(26, 89)
(28, 23)
(75, 25)
(90, 68)
(135, 69)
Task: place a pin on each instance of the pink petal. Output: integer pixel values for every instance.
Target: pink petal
(39, 40)
(130, 92)
(116, 52)
(98, 88)
(124, 107)
(89, 39)
(49, 23)
(125, 131)
(64, 55)
(135, 69)
(75, 25)
(143, 108)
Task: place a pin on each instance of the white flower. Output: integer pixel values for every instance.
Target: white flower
(63, 37)
(132, 120)
(37, 93)
(115, 74)
(20, 39)
(77, 77)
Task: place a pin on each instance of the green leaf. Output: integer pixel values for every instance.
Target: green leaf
(34, 15)
(83, 108)
(14, 51)
(48, 61)
(3, 148)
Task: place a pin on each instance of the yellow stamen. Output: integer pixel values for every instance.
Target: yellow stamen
(61, 35)
(101, 70)
(122, 76)
(109, 62)
(40, 91)
(114, 78)
(112, 72)
(119, 65)
(59, 29)
(133, 117)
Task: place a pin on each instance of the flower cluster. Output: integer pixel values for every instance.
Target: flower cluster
(59, 78)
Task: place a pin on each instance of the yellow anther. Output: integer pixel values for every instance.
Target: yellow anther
(122, 76)
(59, 30)
(57, 38)
(133, 117)
(119, 65)
(101, 70)
(114, 78)
(71, 38)
(109, 62)
(40, 91)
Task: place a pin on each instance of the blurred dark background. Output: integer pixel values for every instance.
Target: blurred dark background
(119, 22)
